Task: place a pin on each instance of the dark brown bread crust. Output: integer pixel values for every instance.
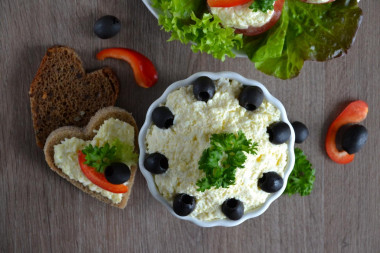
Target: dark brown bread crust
(87, 133)
(62, 94)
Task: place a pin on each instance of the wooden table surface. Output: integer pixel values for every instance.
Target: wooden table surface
(41, 212)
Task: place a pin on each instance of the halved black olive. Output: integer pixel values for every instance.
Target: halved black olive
(183, 204)
(117, 173)
(107, 27)
(251, 97)
(270, 182)
(279, 132)
(156, 163)
(162, 117)
(353, 138)
(233, 209)
(203, 88)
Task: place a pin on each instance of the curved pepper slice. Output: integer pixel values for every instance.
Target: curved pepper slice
(226, 3)
(143, 69)
(98, 178)
(355, 112)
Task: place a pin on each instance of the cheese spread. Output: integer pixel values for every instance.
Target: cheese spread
(317, 1)
(66, 153)
(194, 123)
(241, 16)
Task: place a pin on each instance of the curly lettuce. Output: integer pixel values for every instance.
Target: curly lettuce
(188, 22)
(304, 32)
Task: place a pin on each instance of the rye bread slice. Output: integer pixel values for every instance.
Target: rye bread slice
(87, 133)
(63, 94)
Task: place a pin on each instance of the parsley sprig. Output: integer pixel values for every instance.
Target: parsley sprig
(222, 158)
(301, 180)
(262, 5)
(99, 157)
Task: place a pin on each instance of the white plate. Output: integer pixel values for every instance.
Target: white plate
(149, 177)
(155, 12)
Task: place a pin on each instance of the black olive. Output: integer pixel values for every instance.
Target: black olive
(156, 163)
(251, 97)
(279, 132)
(117, 173)
(271, 182)
(233, 209)
(301, 131)
(107, 27)
(353, 138)
(162, 117)
(183, 204)
(203, 88)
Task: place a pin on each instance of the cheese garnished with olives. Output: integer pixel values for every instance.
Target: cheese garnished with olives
(194, 123)
(66, 153)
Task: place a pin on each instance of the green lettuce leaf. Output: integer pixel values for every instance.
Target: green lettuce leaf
(304, 32)
(188, 21)
(124, 153)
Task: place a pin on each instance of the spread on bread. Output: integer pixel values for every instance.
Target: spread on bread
(112, 131)
(100, 159)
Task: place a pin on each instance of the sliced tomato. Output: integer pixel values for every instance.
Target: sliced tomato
(355, 112)
(98, 178)
(143, 69)
(252, 31)
(311, 2)
(226, 3)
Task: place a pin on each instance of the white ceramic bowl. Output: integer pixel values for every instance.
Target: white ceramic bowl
(155, 12)
(149, 177)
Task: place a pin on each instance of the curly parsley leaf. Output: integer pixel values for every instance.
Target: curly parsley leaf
(222, 158)
(262, 5)
(301, 180)
(99, 157)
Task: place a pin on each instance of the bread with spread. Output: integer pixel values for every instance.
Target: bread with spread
(110, 128)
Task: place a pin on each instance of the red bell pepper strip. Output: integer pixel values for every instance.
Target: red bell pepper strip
(143, 69)
(355, 112)
(98, 178)
(226, 3)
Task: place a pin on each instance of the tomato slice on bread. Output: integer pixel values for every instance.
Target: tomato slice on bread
(252, 31)
(226, 3)
(355, 112)
(98, 178)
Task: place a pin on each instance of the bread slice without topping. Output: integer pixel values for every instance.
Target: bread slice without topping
(87, 133)
(63, 94)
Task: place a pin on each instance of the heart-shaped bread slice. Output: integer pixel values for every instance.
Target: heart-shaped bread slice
(87, 133)
(63, 94)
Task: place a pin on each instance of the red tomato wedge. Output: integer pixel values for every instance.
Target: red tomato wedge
(143, 69)
(355, 112)
(252, 31)
(98, 178)
(226, 3)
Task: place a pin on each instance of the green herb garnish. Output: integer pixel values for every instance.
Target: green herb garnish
(301, 180)
(262, 5)
(99, 157)
(220, 160)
